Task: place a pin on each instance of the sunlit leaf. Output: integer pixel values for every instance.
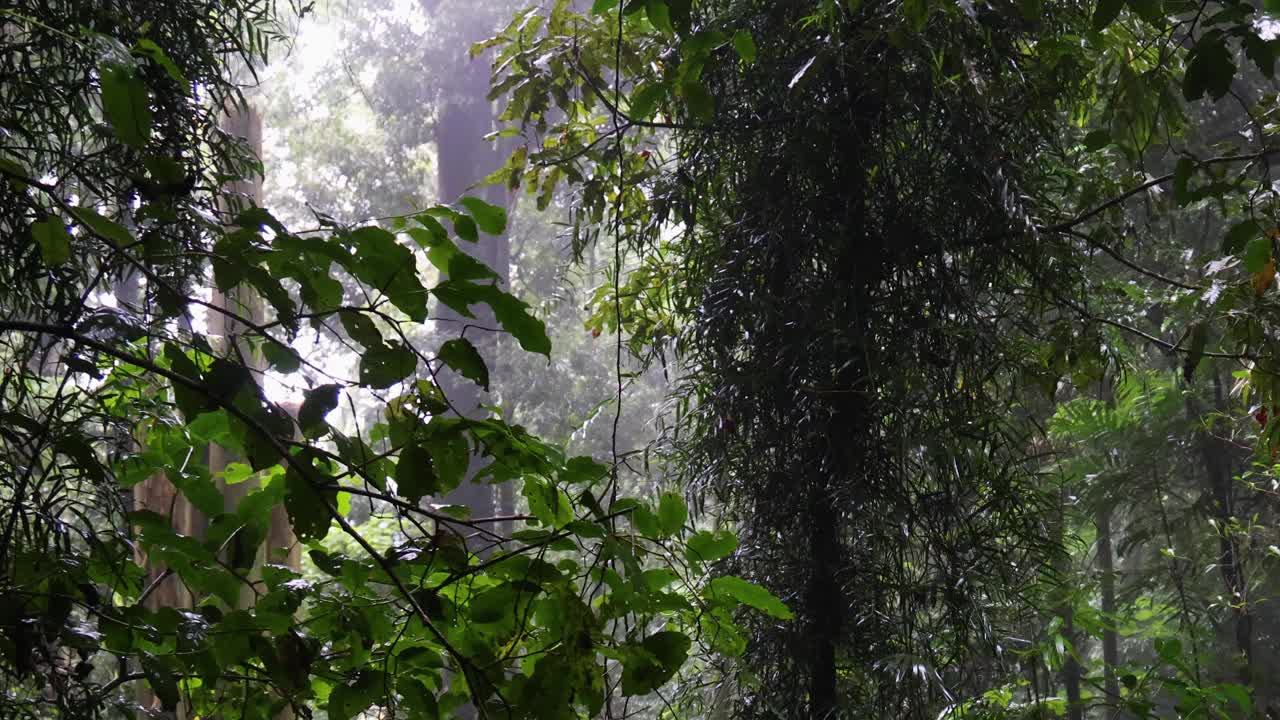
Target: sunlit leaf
(749, 594)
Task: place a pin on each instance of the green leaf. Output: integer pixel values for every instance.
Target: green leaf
(749, 594)
(1271, 6)
(644, 100)
(416, 474)
(646, 522)
(420, 702)
(360, 328)
(745, 45)
(199, 489)
(1106, 12)
(1256, 254)
(701, 106)
(163, 683)
(283, 358)
(317, 402)
(1261, 52)
(1210, 68)
(660, 16)
(672, 513)
(457, 512)
(1181, 181)
(103, 227)
(463, 357)
(53, 240)
(331, 564)
(681, 12)
(382, 367)
(493, 604)
(706, 546)
(213, 427)
(583, 469)
(1238, 694)
(126, 105)
(452, 262)
(547, 502)
(388, 267)
(13, 167)
(655, 661)
(451, 456)
(235, 473)
(722, 633)
(1169, 649)
(148, 49)
(347, 701)
(491, 218)
(307, 505)
(1150, 10)
(189, 402)
(514, 317)
(600, 7)
(1239, 236)
(465, 228)
(1097, 140)
(917, 13)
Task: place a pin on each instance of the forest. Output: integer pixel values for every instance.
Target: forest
(639, 359)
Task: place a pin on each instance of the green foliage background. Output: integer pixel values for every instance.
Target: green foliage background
(811, 359)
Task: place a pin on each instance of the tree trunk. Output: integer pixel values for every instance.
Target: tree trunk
(1070, 666)
(465, 157)
(1216, 454)
(157, 494)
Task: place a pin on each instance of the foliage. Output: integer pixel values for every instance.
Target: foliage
(968, 311)
(124, 376)
(878, 237)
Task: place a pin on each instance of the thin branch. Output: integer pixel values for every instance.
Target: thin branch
(1153, 182)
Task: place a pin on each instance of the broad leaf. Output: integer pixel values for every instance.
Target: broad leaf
(316, 404)
(709, 546)
(655, 661)
(672, 513)
(308, 505)
(745, 46)
(382, 367)
(1105, 13)
(1210, 68)
(416, 474)
(103, 227)
(749, 594)
(52, 238)
(490, 218)
(126, 104)
(463, 357)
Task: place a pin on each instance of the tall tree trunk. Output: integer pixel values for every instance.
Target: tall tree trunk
(1070, 666)
(1216, 454)
(157, 494)
(465, 157)
(280, 546)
